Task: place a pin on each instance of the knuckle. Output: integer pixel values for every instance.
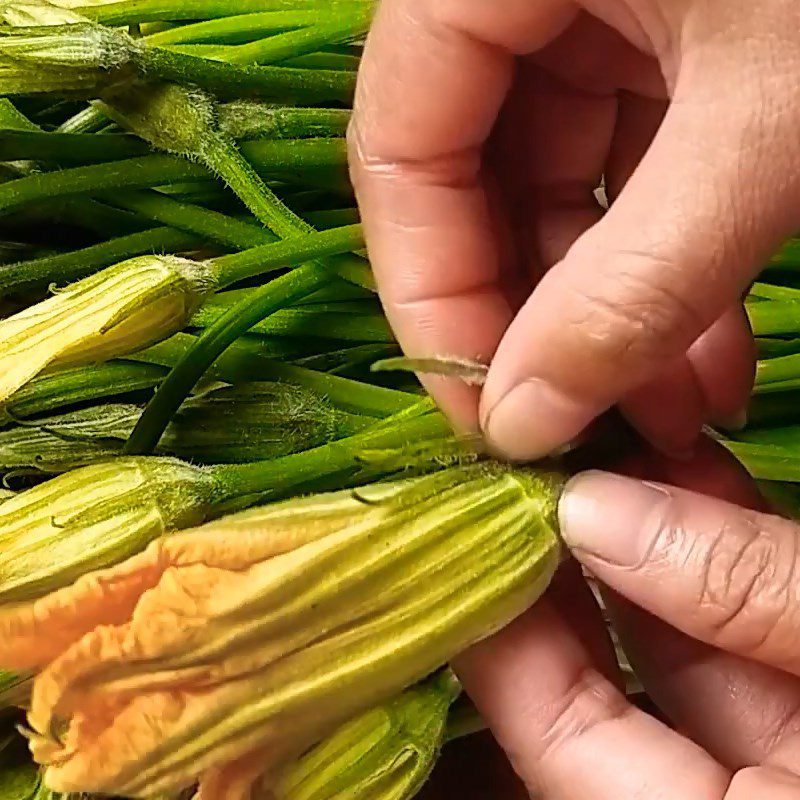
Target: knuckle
(747, 591)
(628, 314)
(590, 702)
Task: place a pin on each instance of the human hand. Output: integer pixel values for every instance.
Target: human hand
(716, 647)
(481, 130)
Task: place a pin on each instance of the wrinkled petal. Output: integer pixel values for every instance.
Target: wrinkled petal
(268, 630)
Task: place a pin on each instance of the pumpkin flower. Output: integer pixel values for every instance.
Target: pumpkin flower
(256, 636)
(117, 311)
(93, 517)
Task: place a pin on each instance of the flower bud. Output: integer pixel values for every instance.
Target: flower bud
(79, 46)
(120, 310)
(172, 118)
(228, 425)
(266, 631)
(75, 439)
(386, 754)
(255, 422)
(93, 517)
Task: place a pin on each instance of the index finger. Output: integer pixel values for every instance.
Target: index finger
(434, 76)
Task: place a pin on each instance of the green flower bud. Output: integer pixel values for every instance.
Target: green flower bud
(255, 422)
(58, 444)
(120, 310)
(172, 118)
(386, 754)
(80, 46)
(93, 517)
(229, 425)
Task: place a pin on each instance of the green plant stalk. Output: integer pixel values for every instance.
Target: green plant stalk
(364, 325)
(345, 458)
(248, 119)
(350, 362)
(768, 291)
(325, 60)
(203, 222)
(73, 386)
(245, 360)
(71, 266)
(774, 317)
(295, 249)
(280, 84)
(88, 120)
(76, 149)
(274, 49)
(215, 340)
(179, 121)
(776, 371)
(766, 461)
(128, 12)
(12, 119)
(235, 29)
(463, 721)
(159, 170)
(68, 149)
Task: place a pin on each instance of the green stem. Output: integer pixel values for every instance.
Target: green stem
(88, 120)
(777, 370)
(341, 458)
(767, 462)
(293, 250)
(224, 159)
(242, 120)
(68, 148)
(245, 360)
(365, 327)
(213, 341)
(211, 225)
(277, 48)
(774, 317)
(350, 362)
(94, 382)
(768, 291)
(279, 84)
(127, 12)
(158, 170)
(66, 267)
(12, 119)
(325, 60)
(228, 162)
(238, 29)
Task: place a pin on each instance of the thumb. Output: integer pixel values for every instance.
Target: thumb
(713, 198)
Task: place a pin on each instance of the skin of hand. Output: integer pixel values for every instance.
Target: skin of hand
(480, 132)
(481, 129)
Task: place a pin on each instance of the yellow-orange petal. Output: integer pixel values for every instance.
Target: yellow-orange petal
(34, 633)
(234, 781)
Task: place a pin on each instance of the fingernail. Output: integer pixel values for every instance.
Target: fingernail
(534, 420)
(604, 516)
